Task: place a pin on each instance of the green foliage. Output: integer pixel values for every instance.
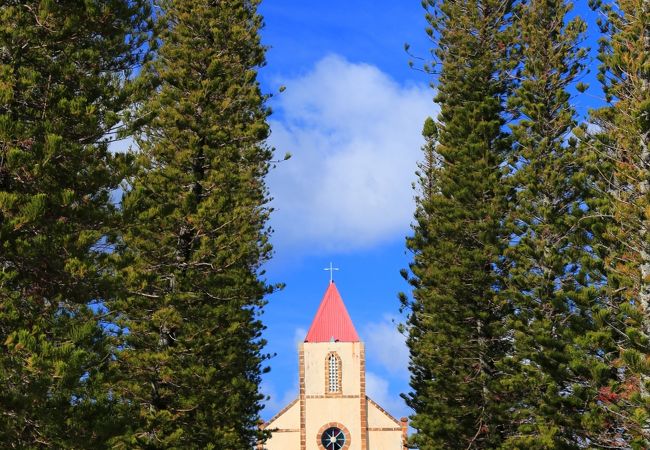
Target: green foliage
(553, 372)
(454, 321)
(620, 141)
(195, 236)
(63, 72)
(522, 329)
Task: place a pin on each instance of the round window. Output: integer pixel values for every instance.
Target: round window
(333, 438)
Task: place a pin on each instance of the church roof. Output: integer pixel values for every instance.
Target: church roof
(332, 321)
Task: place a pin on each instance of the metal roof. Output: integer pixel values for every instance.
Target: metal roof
(332, 321)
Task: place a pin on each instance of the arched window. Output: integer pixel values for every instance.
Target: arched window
(333, 373)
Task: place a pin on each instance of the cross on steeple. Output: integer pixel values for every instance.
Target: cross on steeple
(331, 270)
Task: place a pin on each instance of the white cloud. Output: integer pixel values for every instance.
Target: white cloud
(355, 138)
(299, 336)
(593, 128)
(120, 145)
(276, 401)
(387, 346)
(123, 145)
(378, 390)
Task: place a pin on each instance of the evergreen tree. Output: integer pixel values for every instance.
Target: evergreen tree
(195, 236)
(454, 321)
(552, 373)
(621, 142)
(64, 67)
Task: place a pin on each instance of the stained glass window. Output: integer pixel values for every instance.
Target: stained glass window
(333, 439)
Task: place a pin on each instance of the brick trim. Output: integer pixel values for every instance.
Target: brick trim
(330, 396)
(337, 425)
(301, 370)
(363, 403)
(405, 433)
(339, 368)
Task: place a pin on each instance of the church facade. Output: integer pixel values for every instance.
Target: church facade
(332, 411)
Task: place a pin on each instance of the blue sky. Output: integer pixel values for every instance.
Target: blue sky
(351, 117)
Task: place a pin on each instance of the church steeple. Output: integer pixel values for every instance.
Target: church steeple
(332, 321)
(332, 411)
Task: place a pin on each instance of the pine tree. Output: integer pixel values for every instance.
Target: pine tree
(64, 71)
(454, 332)
(620, 140)
(552, 373)
(195, 236)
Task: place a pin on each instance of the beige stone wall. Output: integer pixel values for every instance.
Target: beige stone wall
(384, 431)
(384, 440)
(285, 427)
(316, 366)
(380, 418)
(321, 407)
(326, 410)
(349, 408)
(288, 418)
(283, 441)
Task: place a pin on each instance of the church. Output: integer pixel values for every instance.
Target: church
(332, 411)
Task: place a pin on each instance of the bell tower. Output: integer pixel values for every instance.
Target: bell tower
(332, 411)
(332, 380)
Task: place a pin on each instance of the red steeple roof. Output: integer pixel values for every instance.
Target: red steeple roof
(332, 320)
